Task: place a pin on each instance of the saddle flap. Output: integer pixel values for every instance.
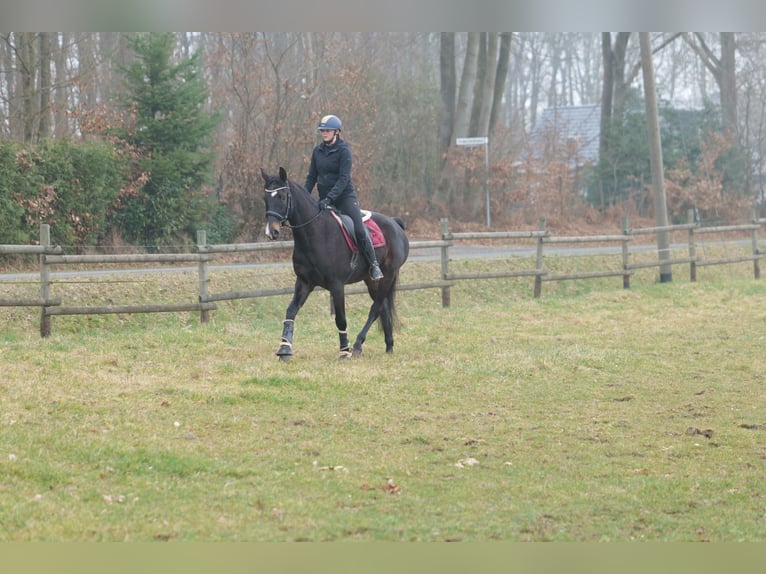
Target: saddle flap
(347, 226)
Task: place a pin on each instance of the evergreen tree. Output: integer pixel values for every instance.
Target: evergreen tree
(174, 134)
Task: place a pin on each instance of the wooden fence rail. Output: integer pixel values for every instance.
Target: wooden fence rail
(627, 268)
(50, 255)
(45, 301)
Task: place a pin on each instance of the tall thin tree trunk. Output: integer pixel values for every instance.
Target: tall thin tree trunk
(62, 84)
(488, 84)
(481, 72)
(728, 83)
(621, 81)
(555, 63)
(607, 92)
(44, 129)
(448, 87)
(500, 78)
(7, 62)
(535, 82)
(655, 156)
(28, 69)
(467, 82)
(614, 92)
(88, 73)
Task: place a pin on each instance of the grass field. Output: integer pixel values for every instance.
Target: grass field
(591, 414)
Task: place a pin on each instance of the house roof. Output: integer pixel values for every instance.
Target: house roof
(578, 124)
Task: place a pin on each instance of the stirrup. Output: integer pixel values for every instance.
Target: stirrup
(375, 273)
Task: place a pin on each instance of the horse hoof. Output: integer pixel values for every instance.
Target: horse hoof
(285, 353)
(357, 353)
(344, 355)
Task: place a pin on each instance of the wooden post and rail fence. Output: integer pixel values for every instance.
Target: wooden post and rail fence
(52, 255)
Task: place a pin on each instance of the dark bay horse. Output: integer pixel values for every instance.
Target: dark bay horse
(322, 258)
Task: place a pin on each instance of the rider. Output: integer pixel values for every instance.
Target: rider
(330, 170)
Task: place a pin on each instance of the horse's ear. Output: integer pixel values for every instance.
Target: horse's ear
(282, 174)
(264, 175)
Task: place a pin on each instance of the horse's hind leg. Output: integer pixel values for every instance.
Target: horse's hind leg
(386, 321)
(360, 338)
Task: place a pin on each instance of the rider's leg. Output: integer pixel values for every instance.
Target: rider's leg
(350, 206)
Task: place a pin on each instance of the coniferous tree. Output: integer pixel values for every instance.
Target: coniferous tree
(174, 134)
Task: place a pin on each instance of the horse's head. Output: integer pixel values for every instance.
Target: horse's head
(278, 200)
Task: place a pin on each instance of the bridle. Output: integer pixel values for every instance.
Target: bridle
(282, 217)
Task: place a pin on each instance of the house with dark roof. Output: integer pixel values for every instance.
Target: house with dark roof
(569, 133)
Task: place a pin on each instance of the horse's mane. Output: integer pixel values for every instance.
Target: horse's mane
(295, 186)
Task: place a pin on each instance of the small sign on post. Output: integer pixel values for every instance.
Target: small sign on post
(470, 142)
(473, 142)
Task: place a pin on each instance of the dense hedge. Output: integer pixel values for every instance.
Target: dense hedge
(74, 187)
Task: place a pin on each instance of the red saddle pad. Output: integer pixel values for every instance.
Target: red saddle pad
(376, 235)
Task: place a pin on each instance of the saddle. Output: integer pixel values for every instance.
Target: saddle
(370, 227)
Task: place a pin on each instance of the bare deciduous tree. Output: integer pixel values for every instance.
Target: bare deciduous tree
(723, 68)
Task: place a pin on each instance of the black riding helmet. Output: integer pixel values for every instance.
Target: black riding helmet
(330, 122)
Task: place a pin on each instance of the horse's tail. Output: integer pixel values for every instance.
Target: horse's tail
(400, 222)
(391, 297)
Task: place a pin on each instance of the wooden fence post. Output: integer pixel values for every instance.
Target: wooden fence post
(45, 278)
(756, 251)
(204, 314)
(625, 254)
(692, 247)
(539, 262)
(445, 260)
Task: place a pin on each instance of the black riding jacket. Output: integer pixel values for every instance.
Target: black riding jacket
(330, 170)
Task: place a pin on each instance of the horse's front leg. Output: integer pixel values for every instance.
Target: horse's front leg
(300, 294)
(339, 307)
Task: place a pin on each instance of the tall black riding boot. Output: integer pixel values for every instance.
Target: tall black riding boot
(369, 254)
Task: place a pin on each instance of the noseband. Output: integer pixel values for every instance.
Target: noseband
(283, 217)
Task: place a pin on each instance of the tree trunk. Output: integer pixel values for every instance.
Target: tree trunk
(500, 79)
(448, 88)
(613, 94)
(724, 72)
(7, 62)
(467, 82)
(555, 63)
(488, 84)
(481, 74)
(88, 73)
(112, 49)
(607, 92)
(655, 156)
(44, 129)
(27, 70)
(62, 82)
(621, 81)
(728, 83)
